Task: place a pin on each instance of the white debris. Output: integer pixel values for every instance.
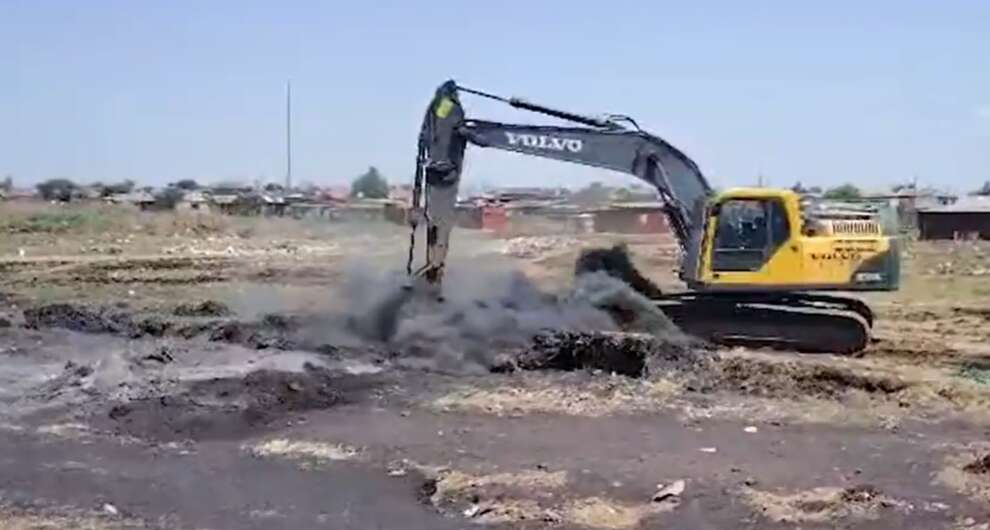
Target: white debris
(110, 509)
(750, 429)
(534, 247)
(708, 449)
(674, 489)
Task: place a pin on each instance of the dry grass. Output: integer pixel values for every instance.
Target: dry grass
(926, 392)
(867, 413)
(456, 481)
(66, 431)
(820, 505)
(597, 512)
(968, 523)
(532, 395)
(40, 229)
(305, 451)
(34, 218)
(507, 511)
(955, 476)
(16, 520)
(891, 392)
(497, 498)
(502, 498)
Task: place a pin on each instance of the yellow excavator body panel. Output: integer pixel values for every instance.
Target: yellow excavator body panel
(759, 239)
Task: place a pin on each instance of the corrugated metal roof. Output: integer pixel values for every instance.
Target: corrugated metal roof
(640, 205)
(963, 205)
(225, 199)
(134, 197)
(194, 196)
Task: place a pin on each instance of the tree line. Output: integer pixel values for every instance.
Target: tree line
(373, 185)
(370, 184)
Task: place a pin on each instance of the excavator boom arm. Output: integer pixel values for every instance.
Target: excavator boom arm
(600, 142)
(676, 178)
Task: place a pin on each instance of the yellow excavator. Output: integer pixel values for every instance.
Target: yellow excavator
(757, 262)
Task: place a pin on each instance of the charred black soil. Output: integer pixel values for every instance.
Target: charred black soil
(233, 407)
(203, 319)
(980, 466)
(629, 354)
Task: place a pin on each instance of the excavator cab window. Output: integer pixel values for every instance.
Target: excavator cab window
(747, 234)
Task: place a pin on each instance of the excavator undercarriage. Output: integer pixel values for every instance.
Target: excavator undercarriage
(804, 322)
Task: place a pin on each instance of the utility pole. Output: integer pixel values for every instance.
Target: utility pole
(288, 135)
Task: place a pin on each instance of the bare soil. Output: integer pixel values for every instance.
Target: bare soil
(220, 385)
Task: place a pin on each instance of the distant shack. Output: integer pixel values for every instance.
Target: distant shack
(631, 218)
(142, 200)
(968, 218)
(193, 201)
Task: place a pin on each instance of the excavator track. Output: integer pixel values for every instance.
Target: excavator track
(796, 322)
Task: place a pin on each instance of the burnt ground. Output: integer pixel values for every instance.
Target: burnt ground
(192, 404)
(215, 432)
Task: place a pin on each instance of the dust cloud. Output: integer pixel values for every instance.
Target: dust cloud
(489, 305)
(486, 311)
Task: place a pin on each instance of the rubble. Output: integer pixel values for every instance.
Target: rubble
(272, 331)
(224, 407)
(980, 466)
(629, 354)
(674, 489)
(825, 504)
(206, 308)
(537, 246)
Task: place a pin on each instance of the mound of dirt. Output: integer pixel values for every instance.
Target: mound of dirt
(783, 379)
(206, 308)
(825, 504)
(257, 335)
(978, 312)
(226, 408)
(499, 498)
(980, 466)
(629, 354)
(272, 331)
(74, 317)
(863, 495)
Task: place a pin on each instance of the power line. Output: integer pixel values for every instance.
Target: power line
(288, 135)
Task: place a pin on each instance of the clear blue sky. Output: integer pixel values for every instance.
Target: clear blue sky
(825, 92)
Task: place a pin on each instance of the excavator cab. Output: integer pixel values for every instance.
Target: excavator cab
(754, 239)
